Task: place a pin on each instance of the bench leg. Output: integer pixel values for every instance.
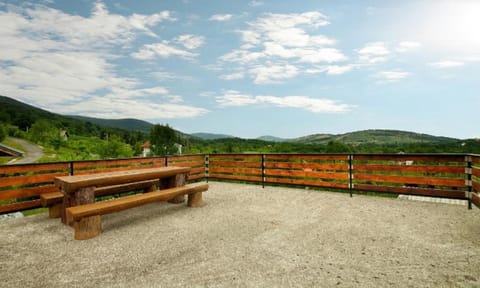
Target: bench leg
(195, 200)
(88, 227)
(55, 211)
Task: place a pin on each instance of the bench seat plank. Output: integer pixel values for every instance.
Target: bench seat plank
(106, 207)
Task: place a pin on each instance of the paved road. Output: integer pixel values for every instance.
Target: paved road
(33, 152)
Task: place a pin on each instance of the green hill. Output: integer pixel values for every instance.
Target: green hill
(374, 137)
(127, 124)
(211, 136)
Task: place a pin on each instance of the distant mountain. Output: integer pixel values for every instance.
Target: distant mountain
(375, 137)
(271, 138)
(210, 136)
(126, 124)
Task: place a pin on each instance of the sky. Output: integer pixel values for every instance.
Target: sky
(249, 68)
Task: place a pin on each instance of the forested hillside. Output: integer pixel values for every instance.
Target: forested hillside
(77, 138)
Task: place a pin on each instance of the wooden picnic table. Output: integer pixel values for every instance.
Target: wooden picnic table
(80, 189)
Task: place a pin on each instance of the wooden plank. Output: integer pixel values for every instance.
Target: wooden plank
(302, 166)
(196, 177)
(188, 164)
(235, 170)
(200, 170)
(106, 207)
(122, 188)
(20, 206)
(189, 158)
(30, 179)
(32, 168)
(48, 199)
(476, 160)
(69, 184)
(302, 182)
(476, 199)
(303, 174)
(406, 157)
(307, 157)
(26, 192)
(435, 181)
(476, 172)
(114, 162)
(411, 168)
(476, 186)
(215, 163)
(457, 194)
(236, 177)
(236, 157)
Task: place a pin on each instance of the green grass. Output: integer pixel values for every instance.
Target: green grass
(34, 211)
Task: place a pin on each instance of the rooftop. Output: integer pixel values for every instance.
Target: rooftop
(249, 236)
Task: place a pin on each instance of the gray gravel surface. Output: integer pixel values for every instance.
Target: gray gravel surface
(247, 236)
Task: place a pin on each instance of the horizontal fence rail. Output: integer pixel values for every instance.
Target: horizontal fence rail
(433, 175)
(329, 171)
(437, 175)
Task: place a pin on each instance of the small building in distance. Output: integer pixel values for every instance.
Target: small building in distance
(146, 148)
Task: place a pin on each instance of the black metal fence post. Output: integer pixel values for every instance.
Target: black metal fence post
(207, 162)
(350, 174)
(468, 171)
(263, 170)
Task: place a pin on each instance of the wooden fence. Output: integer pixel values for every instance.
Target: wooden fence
(439, 175)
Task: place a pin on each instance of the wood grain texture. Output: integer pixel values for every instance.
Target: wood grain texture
(410, 168)
(457, 194)
(116, 205)
(20, 206)
(69, 184)
(450, 182)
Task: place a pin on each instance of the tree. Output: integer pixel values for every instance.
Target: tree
(163, 138)
(42, 131)
(3, 132)
(114, 148)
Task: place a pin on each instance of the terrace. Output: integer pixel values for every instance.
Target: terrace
(259, 235)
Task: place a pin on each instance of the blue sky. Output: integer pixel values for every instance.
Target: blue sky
(249, 68)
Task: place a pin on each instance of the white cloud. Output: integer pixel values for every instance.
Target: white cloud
(406, 46)
(233, 76)
(277, 47)
(221, 17)
(338, 70)
(63, 62)
(232, 98)
(255, 3)
(130, 108)
(190, 41)
(163, 50)
(328, 55)
(373, 53)
(447, 64)
(273, 73)
(392, 76)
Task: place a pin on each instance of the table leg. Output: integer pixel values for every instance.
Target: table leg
(175, 181)
(81, 196)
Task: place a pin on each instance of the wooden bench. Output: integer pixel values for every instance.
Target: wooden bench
(87, 218)
(54, 200)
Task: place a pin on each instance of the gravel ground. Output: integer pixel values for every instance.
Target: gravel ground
(247, 236)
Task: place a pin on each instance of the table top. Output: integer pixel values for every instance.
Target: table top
(70, 184)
